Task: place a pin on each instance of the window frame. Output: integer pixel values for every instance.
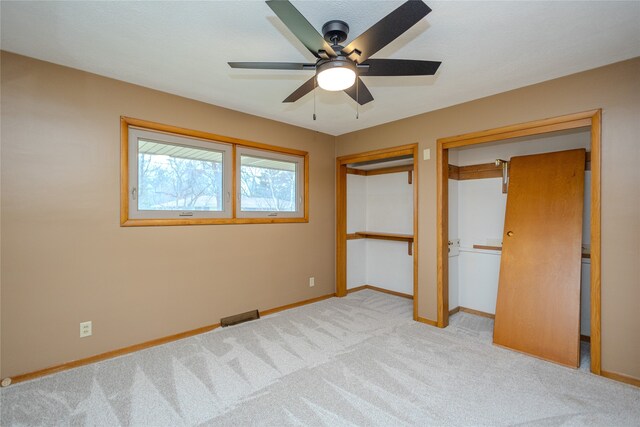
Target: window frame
(226, 150)
(236, 144)
(270, 155)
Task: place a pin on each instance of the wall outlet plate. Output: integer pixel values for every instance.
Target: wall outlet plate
(312, 282)
(85, 329)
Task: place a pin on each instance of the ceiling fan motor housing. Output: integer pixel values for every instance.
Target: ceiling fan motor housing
(339, 62)
(335, 31)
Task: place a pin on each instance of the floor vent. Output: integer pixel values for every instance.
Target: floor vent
(239, 318)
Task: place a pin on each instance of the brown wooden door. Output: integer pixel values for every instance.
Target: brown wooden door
(538, 305)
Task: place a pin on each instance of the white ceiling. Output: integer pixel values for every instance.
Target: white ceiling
(183, 48)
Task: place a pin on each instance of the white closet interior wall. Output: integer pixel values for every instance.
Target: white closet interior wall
(476, 217)
(356, 221)
(380, 203)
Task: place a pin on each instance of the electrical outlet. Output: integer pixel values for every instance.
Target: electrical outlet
(312, 282)
(85, 329)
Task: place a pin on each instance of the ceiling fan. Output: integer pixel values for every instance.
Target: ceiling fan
(338, 67)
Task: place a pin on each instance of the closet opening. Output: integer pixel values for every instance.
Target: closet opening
(376, 227)
(473, 190)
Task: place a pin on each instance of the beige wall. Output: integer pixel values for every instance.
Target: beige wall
(65, 259)
(615, 89)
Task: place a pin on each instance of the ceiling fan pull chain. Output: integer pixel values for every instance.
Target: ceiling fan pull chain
(315, 84)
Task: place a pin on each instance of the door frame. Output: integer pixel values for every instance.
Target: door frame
(588, 119)
(341, 212)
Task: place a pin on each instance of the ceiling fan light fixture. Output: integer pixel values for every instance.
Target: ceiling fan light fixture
(336, 75)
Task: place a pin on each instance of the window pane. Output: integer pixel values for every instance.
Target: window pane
(267, 185)
(175, 177)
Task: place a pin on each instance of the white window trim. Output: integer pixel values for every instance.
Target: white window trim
(266, 154)
(225, 149)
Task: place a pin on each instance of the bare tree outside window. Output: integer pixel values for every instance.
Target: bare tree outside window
(168, 182)
(267, 185)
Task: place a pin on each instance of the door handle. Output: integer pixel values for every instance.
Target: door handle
(509, 233)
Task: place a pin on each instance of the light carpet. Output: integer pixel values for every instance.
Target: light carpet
(358, 360)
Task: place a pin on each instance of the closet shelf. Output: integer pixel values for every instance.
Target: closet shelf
(384, 236)
(488, 248)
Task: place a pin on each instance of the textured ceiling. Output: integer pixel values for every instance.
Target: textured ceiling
(183, 48)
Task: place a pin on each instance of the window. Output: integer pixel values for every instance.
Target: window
(270, 184)
(178, 177)
(174, 176)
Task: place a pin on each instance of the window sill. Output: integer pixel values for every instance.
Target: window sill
(205, 221)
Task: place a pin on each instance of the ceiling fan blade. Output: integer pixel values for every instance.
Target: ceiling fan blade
(386, 30)
(359, 92)
(273, 65)
(300, 27)
(306, 87)
(399, 67)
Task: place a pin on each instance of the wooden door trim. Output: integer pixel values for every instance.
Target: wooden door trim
(341, 212)
(536, 127)
(596, 237)
(442, 237)
(590, 119)
(341, 229)
(384, 153)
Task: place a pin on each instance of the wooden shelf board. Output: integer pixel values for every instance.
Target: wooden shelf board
(385, 236)
(490, 248)
(408, 238)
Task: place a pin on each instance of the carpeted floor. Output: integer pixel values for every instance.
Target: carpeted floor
(358, 360)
